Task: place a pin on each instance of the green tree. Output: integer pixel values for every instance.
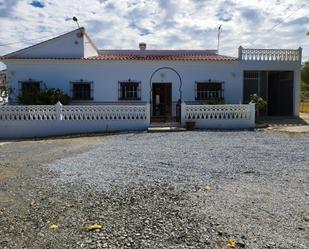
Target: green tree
(305, 81)
(45, 97)
(52, 96)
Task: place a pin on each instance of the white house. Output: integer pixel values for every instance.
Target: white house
(73, 63)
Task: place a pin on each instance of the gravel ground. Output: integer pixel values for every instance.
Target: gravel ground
(162, 190)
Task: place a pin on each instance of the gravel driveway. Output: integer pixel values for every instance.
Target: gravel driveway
(171, 190)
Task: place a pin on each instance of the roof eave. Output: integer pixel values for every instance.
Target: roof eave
(95, 58)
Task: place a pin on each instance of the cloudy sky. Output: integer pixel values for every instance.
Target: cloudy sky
(162, 24)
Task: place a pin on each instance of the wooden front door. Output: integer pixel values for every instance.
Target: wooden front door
(162, 100)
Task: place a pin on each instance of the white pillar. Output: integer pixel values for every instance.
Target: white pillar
(59, 115)
(252, 114)
(297, 85)
(183, 113)
(148, 114)
(300, 54)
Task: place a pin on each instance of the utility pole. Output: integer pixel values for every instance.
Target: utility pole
(219, 33)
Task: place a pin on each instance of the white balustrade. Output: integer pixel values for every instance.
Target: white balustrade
(39, 121)
(104, 112)
(217, 112)
(219, 116)
(27, 112)
(270, 54)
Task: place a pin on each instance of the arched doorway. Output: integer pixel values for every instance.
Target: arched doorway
(163, 108)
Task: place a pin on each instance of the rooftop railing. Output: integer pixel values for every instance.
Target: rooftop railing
(246, 54)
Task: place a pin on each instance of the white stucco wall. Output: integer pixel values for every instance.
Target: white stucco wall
(70, 45)
(106, 74)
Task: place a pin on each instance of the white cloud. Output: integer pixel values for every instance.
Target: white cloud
(173, 24)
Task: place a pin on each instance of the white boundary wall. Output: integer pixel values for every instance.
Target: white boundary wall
(42, 121)
(49, 120)
(219, 116)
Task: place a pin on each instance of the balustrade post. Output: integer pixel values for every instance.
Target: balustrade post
(252, 114)
(59, 115)
(300, 54)
(148, 113)
(240, 52)
(183, 113)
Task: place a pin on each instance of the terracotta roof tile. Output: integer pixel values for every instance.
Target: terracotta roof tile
(158, 55)
(183, 57)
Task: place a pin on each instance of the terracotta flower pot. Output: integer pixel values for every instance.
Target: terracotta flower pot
(190, 125)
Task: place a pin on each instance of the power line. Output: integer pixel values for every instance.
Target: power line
(35, 39)
(12, 43)
(272, 28)
(282, 21)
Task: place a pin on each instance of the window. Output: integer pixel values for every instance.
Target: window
(209, 90)
(129, 90)
(81, 90)
(30, 86)
(251, 85)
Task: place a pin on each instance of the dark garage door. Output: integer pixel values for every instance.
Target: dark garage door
(274, 86)
(280, 93)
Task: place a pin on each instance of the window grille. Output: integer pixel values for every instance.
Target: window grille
(129, 90)
(252, 80)
(209, 90)
(31, 86)
(251, 75)
(82, 90)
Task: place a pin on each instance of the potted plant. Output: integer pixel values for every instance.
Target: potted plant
(190, 125)
(260, 104)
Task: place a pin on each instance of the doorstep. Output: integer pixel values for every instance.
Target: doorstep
(165, 129)
(261, 125)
